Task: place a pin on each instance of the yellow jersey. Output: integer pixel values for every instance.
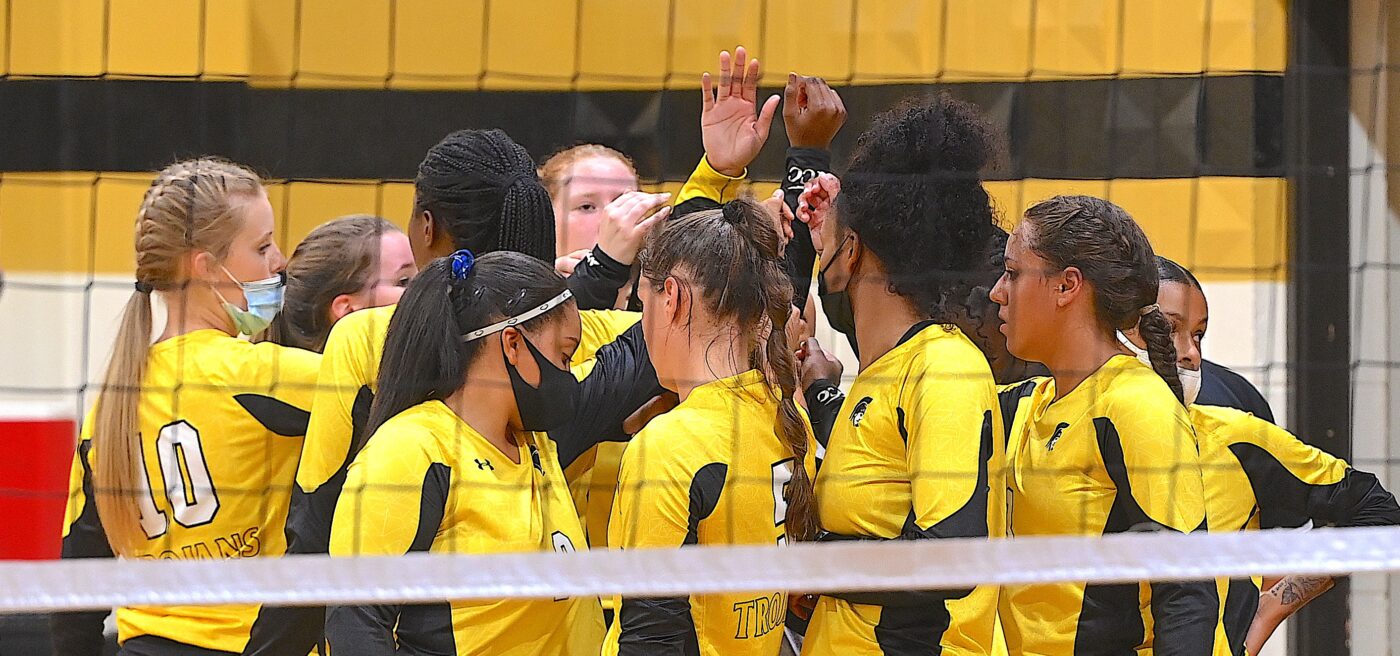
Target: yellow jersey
(349, 374)
(915, 453)
(1260, 476)
(222, 422)
(427, 481)
(1114, 454)
(593, 476)
(711, 471)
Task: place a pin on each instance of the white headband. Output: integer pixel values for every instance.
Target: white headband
(519, 318)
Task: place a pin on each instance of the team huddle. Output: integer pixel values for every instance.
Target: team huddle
(548, 359)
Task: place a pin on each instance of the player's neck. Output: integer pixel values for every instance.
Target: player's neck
(1081, 350)
(484, 405)
(713, 358)
(188, 311)
(882, 318)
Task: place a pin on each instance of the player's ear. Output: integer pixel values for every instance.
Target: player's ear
(203, 266)
(1069, 284)
(342, 305)
(676, 300)
(512, 346)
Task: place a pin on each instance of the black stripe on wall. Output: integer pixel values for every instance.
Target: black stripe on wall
(1076, 129)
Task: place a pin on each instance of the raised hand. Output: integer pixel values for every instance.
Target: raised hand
(626, 221)
(812, 112)
(731, 133)
(815, 203)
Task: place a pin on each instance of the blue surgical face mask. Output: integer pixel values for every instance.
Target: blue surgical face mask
(264, 302)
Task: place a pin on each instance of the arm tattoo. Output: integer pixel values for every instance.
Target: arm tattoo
(1298, 589)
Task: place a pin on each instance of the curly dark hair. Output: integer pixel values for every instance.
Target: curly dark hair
(913, 193)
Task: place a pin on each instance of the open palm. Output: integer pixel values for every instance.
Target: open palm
(731, 132)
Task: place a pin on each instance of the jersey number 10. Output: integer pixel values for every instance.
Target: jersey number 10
(188, 487)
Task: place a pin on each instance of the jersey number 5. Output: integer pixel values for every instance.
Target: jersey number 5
(782, 475)
(188, 488)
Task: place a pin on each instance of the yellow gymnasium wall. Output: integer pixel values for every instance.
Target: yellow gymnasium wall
(62, 219)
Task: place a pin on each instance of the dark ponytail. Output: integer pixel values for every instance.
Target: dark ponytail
(730, 257)
(424, 355)
(1112, 252)
(483, 189)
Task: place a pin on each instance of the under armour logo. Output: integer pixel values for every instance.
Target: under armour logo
(828, 394)
(1055, 437)
(484, 464)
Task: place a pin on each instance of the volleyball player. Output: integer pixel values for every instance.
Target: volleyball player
(730, 464)
(1257, 475)
(475, 369)
(476, 189)
(917, 444)
(581, 181)
(343, 265)
(733, 129)
(1103, 445)
(194, 438)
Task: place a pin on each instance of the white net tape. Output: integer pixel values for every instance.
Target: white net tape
(932, 564)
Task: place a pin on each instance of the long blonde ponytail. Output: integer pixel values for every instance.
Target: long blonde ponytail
(189, 207)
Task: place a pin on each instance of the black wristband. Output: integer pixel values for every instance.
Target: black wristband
(821, 392)
(608, 266)
(804, 164)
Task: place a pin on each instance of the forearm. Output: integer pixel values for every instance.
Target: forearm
(803, 164)
(824, 401)
(1281, 601)
(622, 380)
(596, 280)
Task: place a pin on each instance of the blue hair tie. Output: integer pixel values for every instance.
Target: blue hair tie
(462, 263)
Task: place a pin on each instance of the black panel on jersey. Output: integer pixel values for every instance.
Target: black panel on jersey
(80, 633)
(652, 626)
(371, 630)
(1241, 602)
(359, 419)
(275, 415)
(1183, 614)
(912, 630)
(971, 519)
(1285, 502)
(907, 616)
(705, 489)
(149, 645)
(1009, 400)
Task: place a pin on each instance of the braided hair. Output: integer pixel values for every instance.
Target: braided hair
(1113, 253)
(192, 205)
(482, 188)
(729, 258)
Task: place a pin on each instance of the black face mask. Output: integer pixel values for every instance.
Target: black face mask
(550, 405)
(836, 305)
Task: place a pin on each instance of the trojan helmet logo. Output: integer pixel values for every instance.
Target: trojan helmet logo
(858, 412)
(1055, 437)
